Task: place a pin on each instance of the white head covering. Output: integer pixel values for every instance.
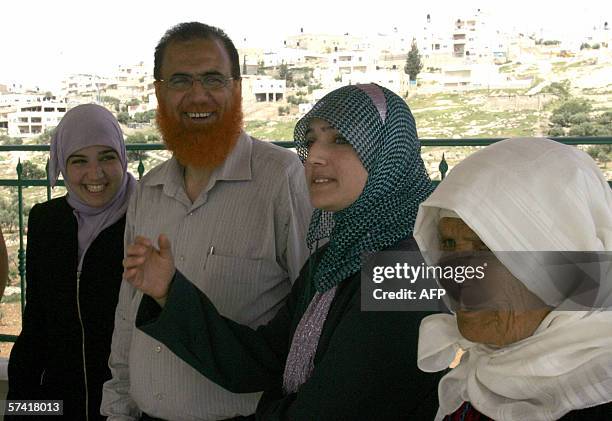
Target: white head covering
(525, 195)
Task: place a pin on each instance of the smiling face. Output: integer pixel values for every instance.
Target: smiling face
(497, 309)
(94, 174)
(196, 107)
(200, 125)
(334, 173)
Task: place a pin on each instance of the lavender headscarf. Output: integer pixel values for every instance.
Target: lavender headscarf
(84, 126)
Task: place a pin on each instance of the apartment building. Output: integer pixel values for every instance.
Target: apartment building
(392, 80)
(292, 57)
(130, 82)
(391, 44)
(11, 99)
(30, 120)
(325, 43)
(263, 89)
(83, 87)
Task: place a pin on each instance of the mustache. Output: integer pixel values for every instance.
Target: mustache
(205, 146)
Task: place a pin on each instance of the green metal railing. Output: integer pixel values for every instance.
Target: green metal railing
(20, 183)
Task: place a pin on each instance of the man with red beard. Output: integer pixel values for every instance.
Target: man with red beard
(236, 210)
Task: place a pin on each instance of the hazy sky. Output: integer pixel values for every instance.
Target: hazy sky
(42, 41)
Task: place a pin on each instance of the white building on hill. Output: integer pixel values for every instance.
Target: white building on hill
(31, 120)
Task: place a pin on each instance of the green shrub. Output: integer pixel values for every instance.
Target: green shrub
(556, 131)
(579, 118)
(587, 129)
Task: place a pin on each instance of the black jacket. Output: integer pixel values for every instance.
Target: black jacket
(364, 367)
(46, 361)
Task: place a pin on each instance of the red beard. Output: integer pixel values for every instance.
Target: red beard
(205, 147)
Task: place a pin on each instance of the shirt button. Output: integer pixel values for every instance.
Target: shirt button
(159, 396)
(190, 214)
(182, 258)
(158, 348)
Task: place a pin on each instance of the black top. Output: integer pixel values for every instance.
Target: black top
(365, 364)
(47, 359)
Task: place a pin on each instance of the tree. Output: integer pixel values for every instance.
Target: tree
(138, 137)
(261, 69)
(283, 71)
(588, 129)
(561, 115)
(123, 117)
(291, 99)
(7, 140)
(45, 137)
(601, 153)
(556, 131)
(8, 212)
(560, 89)
(605, 119)
(413, 64)
(31, 171)
(110, 100)
(145, 117)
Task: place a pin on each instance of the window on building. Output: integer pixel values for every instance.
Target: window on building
(49, 110)
(23, 119)
(36, 120)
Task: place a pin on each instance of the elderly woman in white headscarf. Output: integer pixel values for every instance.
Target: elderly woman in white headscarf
(533, 348)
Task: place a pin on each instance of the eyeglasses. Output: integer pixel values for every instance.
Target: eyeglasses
(210, 81)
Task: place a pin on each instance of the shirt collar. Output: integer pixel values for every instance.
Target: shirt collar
(237, 166)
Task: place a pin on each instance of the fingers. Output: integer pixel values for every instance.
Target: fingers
(143, 241)
(136, 250)
(165, 247)
(130, 275)
(134, 261)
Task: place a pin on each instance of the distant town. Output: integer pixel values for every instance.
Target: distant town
(469, 54)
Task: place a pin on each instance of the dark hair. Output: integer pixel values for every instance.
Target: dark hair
(187, 31)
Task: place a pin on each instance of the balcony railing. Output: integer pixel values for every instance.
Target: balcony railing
(19, 183)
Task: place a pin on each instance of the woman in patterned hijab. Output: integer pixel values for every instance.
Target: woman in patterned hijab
(321, 357)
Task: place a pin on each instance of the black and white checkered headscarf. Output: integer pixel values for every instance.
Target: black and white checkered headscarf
(381, 129)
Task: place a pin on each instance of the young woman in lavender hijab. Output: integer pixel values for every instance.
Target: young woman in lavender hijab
(321, 357)
(73, 268)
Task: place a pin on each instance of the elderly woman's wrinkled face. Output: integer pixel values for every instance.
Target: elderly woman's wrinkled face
(334, 173)
(496, 310)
